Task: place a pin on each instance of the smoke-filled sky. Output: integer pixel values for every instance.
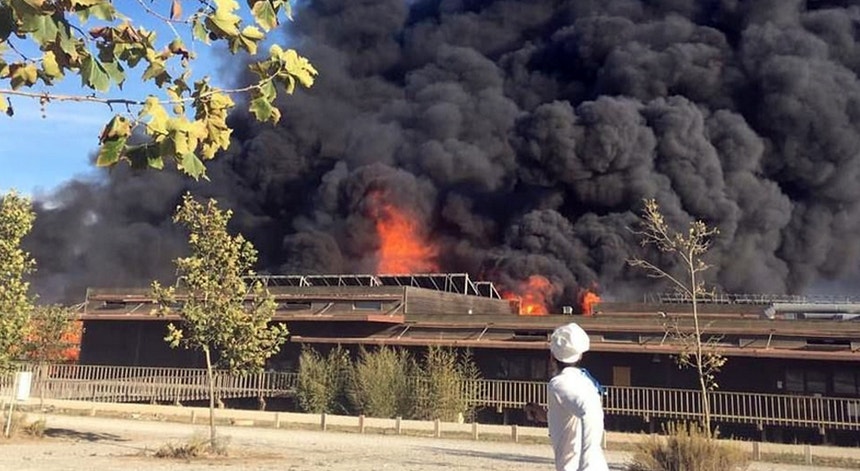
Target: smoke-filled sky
(524, 136)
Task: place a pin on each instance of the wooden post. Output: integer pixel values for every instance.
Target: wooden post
(756, 451)
(361, 423)
(398, 427)
(437, 426)
(515, 433)
(474, 430)
(807, 453)
(322, 422)
(193, 416)
(277, 420)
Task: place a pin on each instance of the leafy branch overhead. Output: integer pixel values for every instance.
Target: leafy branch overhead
(95, 41)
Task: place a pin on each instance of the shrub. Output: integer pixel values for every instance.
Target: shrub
(323, 381)
(686, 447)
(380, 383)
(21, 425)
(196, 447)
(439, 391)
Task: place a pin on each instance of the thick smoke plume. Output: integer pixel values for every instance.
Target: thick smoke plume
(524, 135)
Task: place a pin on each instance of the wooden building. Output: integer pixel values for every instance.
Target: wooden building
(773, 345)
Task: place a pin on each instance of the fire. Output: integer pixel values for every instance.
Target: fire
(588, 300)
(72, 339)
(403, 246)
(532, 295)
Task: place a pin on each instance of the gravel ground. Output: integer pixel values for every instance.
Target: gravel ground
(77, 443)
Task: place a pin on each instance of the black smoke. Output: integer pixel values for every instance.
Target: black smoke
(524, 135)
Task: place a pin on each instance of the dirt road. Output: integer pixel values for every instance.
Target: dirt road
(77, 443)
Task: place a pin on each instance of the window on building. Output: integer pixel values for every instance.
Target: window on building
(846, 383)
(794, 381)
(803, 381)
(367, 305)
(539, 369)
(295, 305)
(816, 382)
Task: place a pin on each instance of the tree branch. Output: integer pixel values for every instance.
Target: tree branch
(47, 96)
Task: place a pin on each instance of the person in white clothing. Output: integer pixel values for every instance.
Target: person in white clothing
(575, 409)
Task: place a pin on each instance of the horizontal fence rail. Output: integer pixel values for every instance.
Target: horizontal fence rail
(146, 384)
(155, 384)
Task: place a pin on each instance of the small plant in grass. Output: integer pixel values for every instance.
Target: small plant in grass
(687, 447)
(22, 426)
(195, 447)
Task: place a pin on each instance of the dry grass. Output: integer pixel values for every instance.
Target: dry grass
(196, 447)
(685, 447)
(22, 426)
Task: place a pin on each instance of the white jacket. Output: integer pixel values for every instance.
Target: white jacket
(575, 418)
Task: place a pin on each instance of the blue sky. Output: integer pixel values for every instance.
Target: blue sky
(38, 153)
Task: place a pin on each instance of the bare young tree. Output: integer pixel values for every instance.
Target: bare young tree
(688, 249)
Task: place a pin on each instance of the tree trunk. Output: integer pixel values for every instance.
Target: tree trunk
(703, 387)
(211, 383)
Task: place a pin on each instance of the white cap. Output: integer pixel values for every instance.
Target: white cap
(568, 343)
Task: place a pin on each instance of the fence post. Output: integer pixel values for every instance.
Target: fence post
(322, 422)
(437, 427)
(474, 430)
(398, 427)
(515, 433)
(807, 453)
(277, 420)
(361, 423)
(756, 451)
(193, 416)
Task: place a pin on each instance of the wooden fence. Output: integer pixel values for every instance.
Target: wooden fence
(147, 384)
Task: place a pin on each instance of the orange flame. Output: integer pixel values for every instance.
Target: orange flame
(72, 338)
(532, 295)
(588, 301)
(403, 246)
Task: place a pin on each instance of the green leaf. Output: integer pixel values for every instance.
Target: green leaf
(198, 30)
(192, 166)
(265, 15)
(263, 110)
(104, 11)
(110, 152)
(145, 156)
(22, 74)
(7, 22)
(268, 90)
(50, 67)
(224, 22)
(94, 75)
(156, 115)
(115, 72)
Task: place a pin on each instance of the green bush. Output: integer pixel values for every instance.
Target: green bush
(441, 385)
(686, 447)
(323, 381)
(380, 383)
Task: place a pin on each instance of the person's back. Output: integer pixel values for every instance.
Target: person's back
(575, 420)
(574, 407)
